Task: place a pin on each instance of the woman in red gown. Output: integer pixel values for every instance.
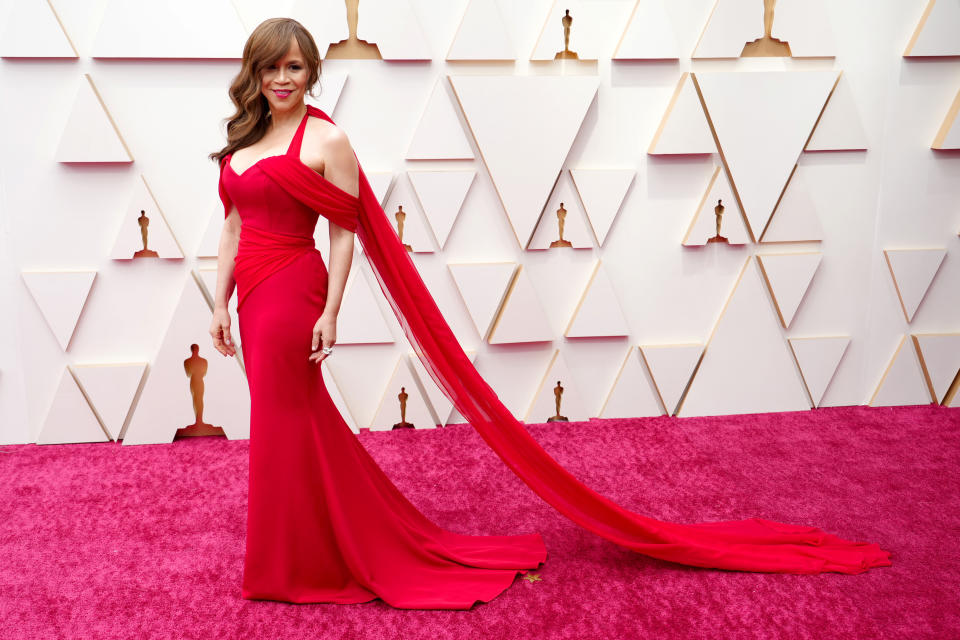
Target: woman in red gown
(324, 523)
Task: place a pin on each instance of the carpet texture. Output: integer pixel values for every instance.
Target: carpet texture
(105, 541)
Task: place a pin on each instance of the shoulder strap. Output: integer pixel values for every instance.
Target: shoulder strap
(294, 148)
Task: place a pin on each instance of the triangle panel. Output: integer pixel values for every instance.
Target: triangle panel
(788, 276)
(633, 394)
(70, 418)
(524, 141)
(902, 383)
(60, 296)
(818, 359)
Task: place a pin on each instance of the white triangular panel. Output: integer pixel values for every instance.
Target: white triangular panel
(544, 403)
(110, 388)
(575, 227)
(439, 134)
(940, 359)
(671, 366)
(329, 92)
(839, 128)
(747, 366)
(649, 35)
(732, 24)
(33, 30)
(788, 275)
(902, 382)
(598, 313)
(948, 137)
(69, 418)
(416, 228)
(360, 320)
(912, 271)
(795, 218)
(129, 239)
(483, 287)
(208, 277)
(417, 409)
(326, 20)
(587, 31)
(482, 34)
(90, 134)
(704, 223)
(60, 296)
(632, 394)
(524, 141)
(522, 317)
(210, 243)
(818, 359)
(166, 403)
(803, 24)
(936, 32)
(380, 182)
(602, 192)
(333, 388)
(762, 120)
(683, 128)
(393, 26)
(169, 29)
(253, 12)
(442, 407)
(441, 194)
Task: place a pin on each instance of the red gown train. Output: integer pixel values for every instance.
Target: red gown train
(325, 524)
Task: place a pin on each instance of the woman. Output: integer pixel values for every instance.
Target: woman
(324, 522)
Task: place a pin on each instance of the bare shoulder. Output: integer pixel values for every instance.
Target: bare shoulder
(327, 150)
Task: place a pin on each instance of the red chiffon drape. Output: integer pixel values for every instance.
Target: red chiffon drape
(754, 544)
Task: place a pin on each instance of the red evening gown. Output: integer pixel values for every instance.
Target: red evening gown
(324, 523)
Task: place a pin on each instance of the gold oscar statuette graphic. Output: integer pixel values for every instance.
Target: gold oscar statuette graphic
(401, 215)
(561, 216)
(767, 46)
(144, 222)
(557, 392)
(403, 424)
(196, 368)
(353, 48)
(718, 212)
(566, 54)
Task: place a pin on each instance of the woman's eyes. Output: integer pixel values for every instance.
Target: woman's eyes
(293, 66)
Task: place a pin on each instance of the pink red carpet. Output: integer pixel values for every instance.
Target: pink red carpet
(104, 541)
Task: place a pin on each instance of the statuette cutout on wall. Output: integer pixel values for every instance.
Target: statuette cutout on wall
(353, 48)
(196, 368)
(767, 46)
(402, 397)
(718, 213)
(143, 221)
(561, 216)
(400, 216)
(566, 54)
(557, 393)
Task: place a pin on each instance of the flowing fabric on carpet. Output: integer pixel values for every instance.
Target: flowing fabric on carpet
(754, 544)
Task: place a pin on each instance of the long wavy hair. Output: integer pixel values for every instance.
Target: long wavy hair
(267, 44)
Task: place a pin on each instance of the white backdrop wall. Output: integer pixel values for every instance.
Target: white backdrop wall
(898, 194)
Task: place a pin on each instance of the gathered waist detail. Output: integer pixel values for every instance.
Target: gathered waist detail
(261, 253)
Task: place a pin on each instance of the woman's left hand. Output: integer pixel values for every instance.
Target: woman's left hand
(324, 335)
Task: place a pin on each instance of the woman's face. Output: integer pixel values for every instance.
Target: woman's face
(283, 83)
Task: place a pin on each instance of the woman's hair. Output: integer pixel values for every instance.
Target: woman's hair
(267, 44)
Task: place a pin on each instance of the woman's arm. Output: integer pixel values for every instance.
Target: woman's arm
(220, 325)
(341, 169)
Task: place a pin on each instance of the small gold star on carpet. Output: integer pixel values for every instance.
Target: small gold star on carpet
(532, 577)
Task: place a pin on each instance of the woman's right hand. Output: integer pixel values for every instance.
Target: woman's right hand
(220, 332)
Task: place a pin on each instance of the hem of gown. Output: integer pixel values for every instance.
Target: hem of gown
(370, 596)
